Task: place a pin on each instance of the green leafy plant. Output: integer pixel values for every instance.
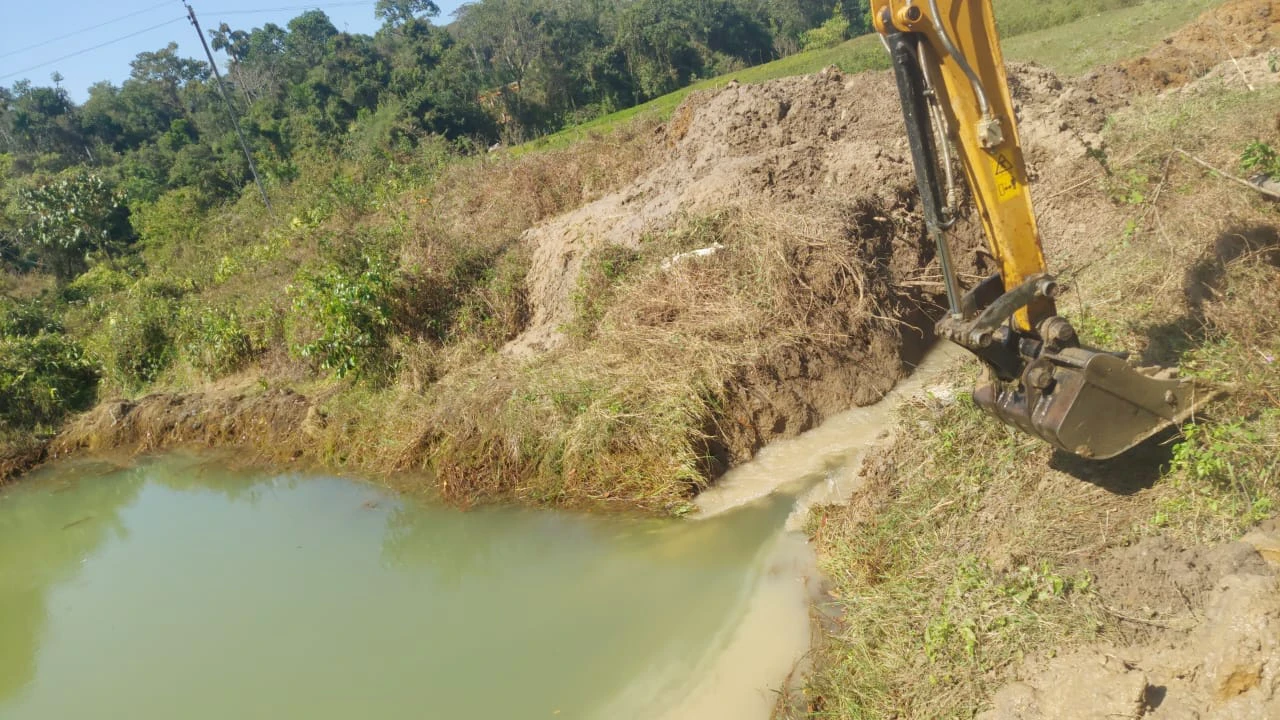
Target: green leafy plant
(347, 313)
(42, 379)
(218, 341)
(28, 319)
(73, 220)
(1260, 157)
(830, 33)
(137, 336)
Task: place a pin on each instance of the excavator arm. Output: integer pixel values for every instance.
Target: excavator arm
(955, 98)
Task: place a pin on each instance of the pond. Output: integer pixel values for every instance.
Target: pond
(176, 587)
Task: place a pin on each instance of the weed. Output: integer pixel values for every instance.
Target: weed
(43, 377)
(1223, 478)
(1097, 331)
(602, 271)
(342, 315)
(1259, 157)
(217, 341)
(932, 615)
(1128, 187)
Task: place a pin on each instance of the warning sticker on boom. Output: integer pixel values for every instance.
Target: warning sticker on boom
(1007, 185)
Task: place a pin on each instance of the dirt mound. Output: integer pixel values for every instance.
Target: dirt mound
(276, 423)
(832, 148)
(1236, 29)
(801, 138)
(1221, 661)
(821, 137)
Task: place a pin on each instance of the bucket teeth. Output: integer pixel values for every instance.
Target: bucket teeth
(1093, 404)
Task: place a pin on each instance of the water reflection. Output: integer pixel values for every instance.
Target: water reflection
(44, 538)
(180, 588)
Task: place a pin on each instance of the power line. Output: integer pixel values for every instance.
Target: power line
(260, 11)
(82, 31)
(91, 48)
(226, 100)
(135, 13)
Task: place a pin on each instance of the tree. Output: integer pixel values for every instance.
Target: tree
(403, 12)
(73, 219)
(308, 40)
(43, 129)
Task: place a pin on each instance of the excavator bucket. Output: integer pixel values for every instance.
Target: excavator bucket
(1091, 403)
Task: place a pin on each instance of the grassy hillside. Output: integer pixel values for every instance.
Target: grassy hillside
(382, 287)
(1069, 37)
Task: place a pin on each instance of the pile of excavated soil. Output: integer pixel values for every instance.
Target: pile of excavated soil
(832, 147)
(827, 136)
(828, 147)
(1212, 616)
(1231, 31)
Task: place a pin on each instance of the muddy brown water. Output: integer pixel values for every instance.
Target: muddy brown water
(175, 587)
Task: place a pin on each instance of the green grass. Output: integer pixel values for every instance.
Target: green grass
(1104, 37)
(937, 600)
(856, 55)
(1069, 37)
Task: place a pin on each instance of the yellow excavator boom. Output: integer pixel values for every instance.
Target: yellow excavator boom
(955, 97)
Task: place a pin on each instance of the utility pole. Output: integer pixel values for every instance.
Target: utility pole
(226, 101)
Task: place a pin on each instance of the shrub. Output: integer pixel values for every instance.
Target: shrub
(342, 316)
(136, 341)
(830, 33)
(72, 220)
(217, 341)
(42, 378)
(174, 219)
(28, 319)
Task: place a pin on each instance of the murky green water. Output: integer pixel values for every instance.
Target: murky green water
(178, 589)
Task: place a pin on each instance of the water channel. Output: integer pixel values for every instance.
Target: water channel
(175, 587)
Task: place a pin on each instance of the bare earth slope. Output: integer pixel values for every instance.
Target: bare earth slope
(824, 136)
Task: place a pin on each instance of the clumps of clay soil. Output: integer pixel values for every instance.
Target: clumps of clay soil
(1206, 623)
(1233, 30)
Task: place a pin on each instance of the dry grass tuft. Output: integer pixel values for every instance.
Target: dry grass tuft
(968, 548)
(626, 413)
(956, 560)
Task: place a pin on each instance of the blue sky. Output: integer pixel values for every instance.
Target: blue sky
(35, 32)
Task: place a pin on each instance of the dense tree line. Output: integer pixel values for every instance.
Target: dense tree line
(502, 70)
(104, 202)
